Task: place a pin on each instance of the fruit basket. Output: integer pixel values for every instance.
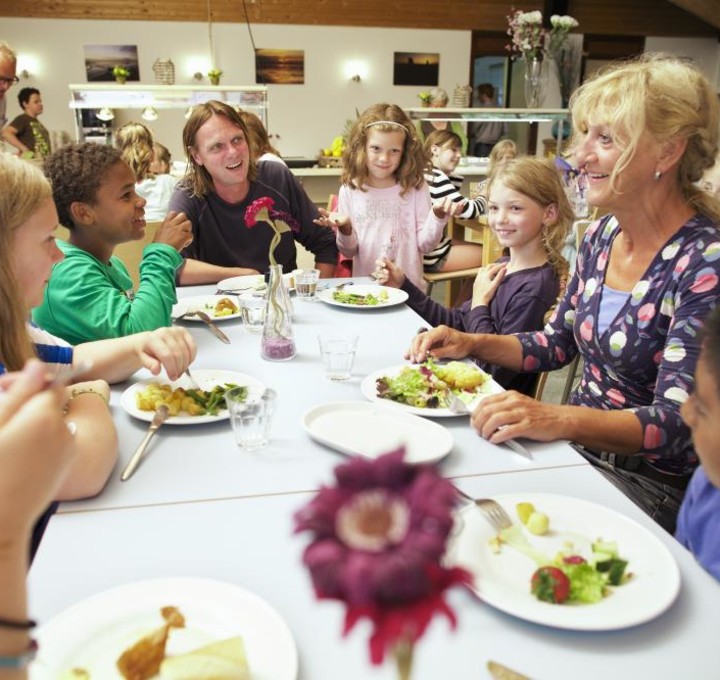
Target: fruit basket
(329, 161)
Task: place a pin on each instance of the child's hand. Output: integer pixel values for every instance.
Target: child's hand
(175, 231)
(388, 273)
(486, 284)
(334, 220)
(446, 207)
(170, 348)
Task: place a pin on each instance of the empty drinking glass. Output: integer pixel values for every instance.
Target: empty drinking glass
(338, 355)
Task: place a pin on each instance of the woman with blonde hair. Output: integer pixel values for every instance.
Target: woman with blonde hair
(647, 274)
(137, 147)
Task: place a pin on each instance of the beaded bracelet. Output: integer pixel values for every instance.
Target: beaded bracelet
(22, 660)
(77, 391)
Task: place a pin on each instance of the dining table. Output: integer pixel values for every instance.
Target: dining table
(200, 511)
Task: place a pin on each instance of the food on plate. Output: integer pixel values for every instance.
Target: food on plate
(524, 510)
(193, 402)
(429, 385)
(75, 674)
(143, 659)
(550, 584)
(368, 300)
(538, 523)
(223, 660)
(223, 307)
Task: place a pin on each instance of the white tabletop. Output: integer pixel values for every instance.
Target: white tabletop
(249, 542)
(202, 462)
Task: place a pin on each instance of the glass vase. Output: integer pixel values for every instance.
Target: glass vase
(278, 341)
(536, 77)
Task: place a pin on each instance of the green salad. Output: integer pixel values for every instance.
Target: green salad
(368, 300)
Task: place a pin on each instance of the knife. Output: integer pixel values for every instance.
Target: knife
(161, 415)
(207, 320)
(500, 672)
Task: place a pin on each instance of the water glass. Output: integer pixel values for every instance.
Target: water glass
(306, 281)
(251, 417)
(338, 355)
(252, 311)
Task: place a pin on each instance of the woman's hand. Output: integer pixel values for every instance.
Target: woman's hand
(486, 283)
(509, 415)
(175, 231)
(442, 342)
(334, 220)
(170, 348)
(388, 273)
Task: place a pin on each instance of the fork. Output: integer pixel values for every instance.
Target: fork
(194, 384)
(492, 510)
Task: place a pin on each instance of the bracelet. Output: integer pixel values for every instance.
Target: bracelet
(27, 624)
(77, 391)
(20, 660)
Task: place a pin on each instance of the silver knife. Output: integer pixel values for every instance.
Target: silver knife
(218, 333)
(161, 415)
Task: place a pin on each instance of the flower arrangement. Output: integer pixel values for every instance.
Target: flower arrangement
(378, 537)
(529, 38)
(424, 97)
(120, 73)
(214, 75)
(260, 210)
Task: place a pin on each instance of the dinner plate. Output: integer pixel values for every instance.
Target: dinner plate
(502, 579)
(207, 379)
(204, 303)
(360, 428)
(395, 296)
(369, 391)
(94, 632)
(251, 282)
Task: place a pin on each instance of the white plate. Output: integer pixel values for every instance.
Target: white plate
(204, 303)
(207, 379)
(251, 282)
(356, 427)
(93, 633)
(503, 580)
(369, 391)
(395, 296)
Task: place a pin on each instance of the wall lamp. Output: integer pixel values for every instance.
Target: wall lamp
(149, 113)
(105, 114)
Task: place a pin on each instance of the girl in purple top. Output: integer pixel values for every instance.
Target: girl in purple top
(646, 131)
(530, 215)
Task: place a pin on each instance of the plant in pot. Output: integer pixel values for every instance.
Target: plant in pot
(121, 74)
(214, 75)
(424, 98)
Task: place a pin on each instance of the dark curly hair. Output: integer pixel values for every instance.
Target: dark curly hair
(76, 172)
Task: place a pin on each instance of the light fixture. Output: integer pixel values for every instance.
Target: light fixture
(105, 114)
(356, 78)
(198, 75)
(149, 113)
(24, 74)
(355, 70)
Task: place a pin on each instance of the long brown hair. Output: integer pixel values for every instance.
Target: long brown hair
(135, 142)
(196, 176)
(24, 189)
(258, 134)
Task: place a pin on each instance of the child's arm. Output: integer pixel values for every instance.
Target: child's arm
(347, 241)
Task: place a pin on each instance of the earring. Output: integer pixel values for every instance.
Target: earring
(657, 175)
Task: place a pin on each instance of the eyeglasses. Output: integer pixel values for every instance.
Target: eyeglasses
(9, 81)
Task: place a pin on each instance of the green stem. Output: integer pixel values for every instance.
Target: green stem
(275, 282)
(403, 653)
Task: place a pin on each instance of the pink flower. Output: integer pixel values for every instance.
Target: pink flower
(259, 208)
(378, 538)
(260, 211)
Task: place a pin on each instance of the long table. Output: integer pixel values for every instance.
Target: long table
(198, 507)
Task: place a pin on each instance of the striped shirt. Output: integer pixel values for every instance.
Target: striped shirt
(443, 186)
(51, 350)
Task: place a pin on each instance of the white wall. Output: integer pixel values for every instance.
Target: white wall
(705, 52)
(306, 117)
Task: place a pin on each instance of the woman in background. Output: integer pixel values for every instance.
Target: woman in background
(259, 140)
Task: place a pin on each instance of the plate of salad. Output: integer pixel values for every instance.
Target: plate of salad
(424, 389)
(363, 296)
(585, 568)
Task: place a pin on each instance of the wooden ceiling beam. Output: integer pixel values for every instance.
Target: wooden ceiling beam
(707, 10)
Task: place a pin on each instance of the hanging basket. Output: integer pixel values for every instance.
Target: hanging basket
(164, 71)
(462, 94)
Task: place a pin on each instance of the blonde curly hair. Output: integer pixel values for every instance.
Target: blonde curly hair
(136, 143)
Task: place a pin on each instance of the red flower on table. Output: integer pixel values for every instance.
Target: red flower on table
(378, 539)
(260, 210)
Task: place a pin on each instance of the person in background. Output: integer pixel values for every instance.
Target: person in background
(698, 525)
(384, 207)
(90, 294)
(222, 180)
(8, 65)
(505, 150)
(486, 134)
(259, 140)
(646, 276)
(529, 214)
(26, 133)
(439, 100)
(162, 160)
(442, 147)
(137, 147)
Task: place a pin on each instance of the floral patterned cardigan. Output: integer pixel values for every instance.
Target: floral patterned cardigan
(644, 361)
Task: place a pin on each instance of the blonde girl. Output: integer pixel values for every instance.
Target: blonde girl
(384, 206)
(530, 215)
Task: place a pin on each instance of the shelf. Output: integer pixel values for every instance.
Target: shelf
(484, 114)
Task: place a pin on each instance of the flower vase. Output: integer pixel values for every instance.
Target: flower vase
(536, 76)
(278, 342)
(120, 79)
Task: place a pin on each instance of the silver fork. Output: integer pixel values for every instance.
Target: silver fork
(493, 511)
(194, 384)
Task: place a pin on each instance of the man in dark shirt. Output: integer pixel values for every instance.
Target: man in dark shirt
(223, 180)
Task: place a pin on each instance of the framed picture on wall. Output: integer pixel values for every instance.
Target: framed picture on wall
(100, 60)
(279, 67)
(416, 68)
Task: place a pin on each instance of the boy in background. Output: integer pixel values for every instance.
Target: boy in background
(25, 132)
(698, 527)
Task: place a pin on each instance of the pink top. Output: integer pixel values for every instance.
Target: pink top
(384, 223)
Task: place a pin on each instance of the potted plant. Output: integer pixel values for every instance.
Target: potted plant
(121, 74)
(214, 75)
(424, 98)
